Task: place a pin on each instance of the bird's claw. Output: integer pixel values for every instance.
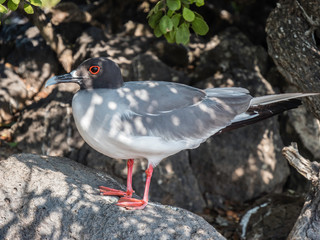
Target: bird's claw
(111, 192)
(105, 191)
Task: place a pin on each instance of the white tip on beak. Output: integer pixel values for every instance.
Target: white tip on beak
(51, 81)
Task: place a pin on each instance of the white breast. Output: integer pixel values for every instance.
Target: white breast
(97, 117)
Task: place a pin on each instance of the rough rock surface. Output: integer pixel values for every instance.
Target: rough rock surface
(292, 32)
(48, 197)
(228, 50)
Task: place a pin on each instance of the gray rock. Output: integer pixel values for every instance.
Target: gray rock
(172, 54)
(55, 198)
(47, 127)
(228, 50)
(241, 165)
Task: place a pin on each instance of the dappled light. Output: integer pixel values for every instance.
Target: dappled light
(66, 214)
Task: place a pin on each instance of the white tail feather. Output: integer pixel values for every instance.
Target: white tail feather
(277, 98)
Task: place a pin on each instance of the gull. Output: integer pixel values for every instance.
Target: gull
(155, 119)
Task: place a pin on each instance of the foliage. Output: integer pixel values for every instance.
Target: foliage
(173, 19)
(28, 5)
(170, 18)
(13, 5)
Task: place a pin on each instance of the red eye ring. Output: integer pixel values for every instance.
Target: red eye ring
(94, 69)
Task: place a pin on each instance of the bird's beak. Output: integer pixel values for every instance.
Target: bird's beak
(65, 78)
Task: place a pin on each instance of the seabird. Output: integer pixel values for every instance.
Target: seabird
(155, 119)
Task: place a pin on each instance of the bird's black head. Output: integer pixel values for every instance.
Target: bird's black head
(93, 73)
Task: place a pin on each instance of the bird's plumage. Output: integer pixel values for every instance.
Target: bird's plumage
(154, 119)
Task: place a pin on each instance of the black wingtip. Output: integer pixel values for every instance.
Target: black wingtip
(263, 112)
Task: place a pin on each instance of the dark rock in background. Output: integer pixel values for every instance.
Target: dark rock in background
(149, 67)
(228, 50)
(33, 58)
(172, 54)
(271, 217)
(47, 127)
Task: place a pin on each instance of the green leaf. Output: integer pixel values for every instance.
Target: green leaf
(174, 5)
(28, 8)
(3, 9)
(176, 20)
(37, 3)
(188, 15)
(198, 15)
(199, 3)
(186, 2)
(183, 34)
(159, 6)
(2, 1)
(165, 24)
(199, 26)
(154, 19)
(157, 32)
(12, 6)
(170, 13)
(170, 36)
(16, 2)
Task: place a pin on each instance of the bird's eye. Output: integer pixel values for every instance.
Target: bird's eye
(94, 69)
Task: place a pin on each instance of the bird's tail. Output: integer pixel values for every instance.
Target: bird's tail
(264, 107)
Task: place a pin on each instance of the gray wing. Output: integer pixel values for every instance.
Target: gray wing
(175, 111)
(150, 97)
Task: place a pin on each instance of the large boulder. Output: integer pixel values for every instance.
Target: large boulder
(52, 197)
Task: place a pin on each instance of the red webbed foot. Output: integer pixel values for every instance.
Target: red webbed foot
(132, 203)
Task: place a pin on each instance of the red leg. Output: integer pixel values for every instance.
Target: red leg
(129, 178)
(114, 192)
(132, 203)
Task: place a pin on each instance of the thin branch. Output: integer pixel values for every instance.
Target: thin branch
(310, 170)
